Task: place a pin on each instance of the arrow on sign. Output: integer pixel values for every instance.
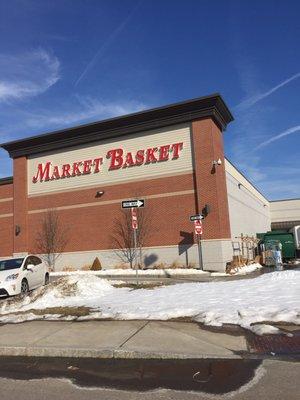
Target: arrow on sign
(133, 203)
(197, 217)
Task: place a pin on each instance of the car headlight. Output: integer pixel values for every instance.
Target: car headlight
(12, 277)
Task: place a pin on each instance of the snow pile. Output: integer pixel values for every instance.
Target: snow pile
(268, 298)
(243, 270)
(247, 269)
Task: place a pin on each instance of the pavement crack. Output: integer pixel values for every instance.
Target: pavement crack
(52, 333)
(136, 332)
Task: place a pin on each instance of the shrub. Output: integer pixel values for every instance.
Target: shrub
(161, 265)
(175, 265)
(121, 266)
(96, 266)
(86, 267)
(69, 269)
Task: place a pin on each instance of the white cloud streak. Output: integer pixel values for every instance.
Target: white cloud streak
(260, 96)
(107, 43)
(287, 132)
(27, 75)
(88, 109)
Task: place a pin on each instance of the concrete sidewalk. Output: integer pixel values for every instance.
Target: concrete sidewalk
(117, 339)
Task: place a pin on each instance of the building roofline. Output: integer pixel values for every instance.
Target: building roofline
(212, 106)
(6, 181)
(296, 198)
(247, 179)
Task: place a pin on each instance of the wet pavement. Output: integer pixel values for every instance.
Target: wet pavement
(210, 376)
(272, 379)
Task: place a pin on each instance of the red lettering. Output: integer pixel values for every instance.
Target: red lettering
(150, 157)
(43, 173)
(97, 163)
(76, 168)
(139, 157)
(164, 153)
(176, 147)
(55, 173)
(66, 171)
(116, 158)
(87, 165)
(128, 161)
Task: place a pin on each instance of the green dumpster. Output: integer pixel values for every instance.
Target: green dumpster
(285, 238)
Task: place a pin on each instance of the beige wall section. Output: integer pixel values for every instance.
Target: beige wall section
(285, 210)
(215, 255)
(109, 259)
(130, 143)
(249, 210)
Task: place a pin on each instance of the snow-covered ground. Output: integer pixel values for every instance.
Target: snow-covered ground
(273, 297)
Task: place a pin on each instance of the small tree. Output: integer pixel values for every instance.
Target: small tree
(52, 238)
(122, 239)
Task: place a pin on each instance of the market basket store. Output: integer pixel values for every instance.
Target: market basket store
(170, 156)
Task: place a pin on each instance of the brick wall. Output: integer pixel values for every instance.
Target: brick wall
(210, 182)
(90, 220)
(6, 220)
(20, 204)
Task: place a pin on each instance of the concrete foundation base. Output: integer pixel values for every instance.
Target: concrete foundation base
(215, 255)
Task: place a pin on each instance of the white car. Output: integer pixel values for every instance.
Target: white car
(19, 275)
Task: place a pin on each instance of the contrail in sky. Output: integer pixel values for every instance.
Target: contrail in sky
(254, 99)
(108, 42)
(279, 136)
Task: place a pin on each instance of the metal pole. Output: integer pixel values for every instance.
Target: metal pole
(200, 252)
(135, 256)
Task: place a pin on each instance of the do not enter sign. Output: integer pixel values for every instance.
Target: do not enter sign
(134, 219)
(198, 227)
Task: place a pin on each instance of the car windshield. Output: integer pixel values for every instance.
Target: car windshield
(14, 263)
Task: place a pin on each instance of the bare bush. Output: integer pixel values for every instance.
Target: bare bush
(52, 238)
(122, 239)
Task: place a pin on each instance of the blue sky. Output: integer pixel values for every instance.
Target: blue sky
(66, 62)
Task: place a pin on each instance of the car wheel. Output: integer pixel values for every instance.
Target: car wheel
(47, 279)
(24, 287)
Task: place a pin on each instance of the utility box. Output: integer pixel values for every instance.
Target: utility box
(285, 238)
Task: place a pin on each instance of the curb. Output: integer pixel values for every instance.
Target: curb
(105, 354)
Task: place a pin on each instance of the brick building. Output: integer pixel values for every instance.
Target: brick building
(167, 156)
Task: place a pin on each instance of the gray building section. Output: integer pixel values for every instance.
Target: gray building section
(285, 214)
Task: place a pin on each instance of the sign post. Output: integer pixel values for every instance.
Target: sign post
(134, 224)
(197, 219)
(133, 205)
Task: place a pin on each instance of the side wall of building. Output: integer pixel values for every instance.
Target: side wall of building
(249, 210)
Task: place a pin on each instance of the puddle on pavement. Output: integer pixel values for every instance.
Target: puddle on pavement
(209, 375)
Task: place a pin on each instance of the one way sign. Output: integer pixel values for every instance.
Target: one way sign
(133, 203)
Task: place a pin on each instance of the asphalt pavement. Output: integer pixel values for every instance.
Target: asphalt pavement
(268, 379)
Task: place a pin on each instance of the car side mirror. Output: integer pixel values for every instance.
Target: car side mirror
(29, 267)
